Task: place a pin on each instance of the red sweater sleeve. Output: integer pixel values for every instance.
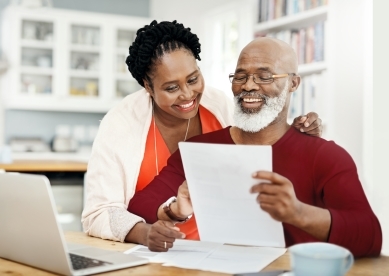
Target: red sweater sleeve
(353, 223)
(146, 202)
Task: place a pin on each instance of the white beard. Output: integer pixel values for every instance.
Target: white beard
(255, 121)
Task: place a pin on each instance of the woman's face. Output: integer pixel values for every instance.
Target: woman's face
(177, 85)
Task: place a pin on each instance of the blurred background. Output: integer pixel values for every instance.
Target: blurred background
(62, 67)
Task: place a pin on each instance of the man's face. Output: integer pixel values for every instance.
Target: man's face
(258, 105)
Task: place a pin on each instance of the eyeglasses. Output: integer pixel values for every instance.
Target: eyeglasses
(259, 78)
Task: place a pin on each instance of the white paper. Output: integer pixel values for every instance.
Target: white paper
(219, 180)
(212, 256)
(184, 251)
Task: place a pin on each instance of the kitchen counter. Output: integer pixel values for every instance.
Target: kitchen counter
(48, 162)
(44, 166)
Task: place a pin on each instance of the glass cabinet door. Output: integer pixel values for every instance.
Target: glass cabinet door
(125, 83)
(36, 57)
(85, 59)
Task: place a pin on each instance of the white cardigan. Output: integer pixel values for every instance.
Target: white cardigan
(116, 158)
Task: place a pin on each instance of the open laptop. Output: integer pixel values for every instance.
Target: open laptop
(30, 233)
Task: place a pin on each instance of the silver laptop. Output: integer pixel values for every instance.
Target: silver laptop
(30, 233)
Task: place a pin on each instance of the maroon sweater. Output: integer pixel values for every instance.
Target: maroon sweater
(323, 174)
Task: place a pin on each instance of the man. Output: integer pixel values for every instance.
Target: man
(314, 189)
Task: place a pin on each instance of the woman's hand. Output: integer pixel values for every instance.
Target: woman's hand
(183, 207)
(159, 236)
(309, 124)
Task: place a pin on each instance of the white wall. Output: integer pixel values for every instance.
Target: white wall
(380, 195)
(346, 76)
(1, 124)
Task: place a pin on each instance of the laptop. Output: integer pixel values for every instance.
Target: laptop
(30, 233)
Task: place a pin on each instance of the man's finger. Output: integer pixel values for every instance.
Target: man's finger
(266, 188)
(266, 207)
(266, 199)
(272, 177)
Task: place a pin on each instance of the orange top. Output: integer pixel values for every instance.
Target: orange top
(148, 167)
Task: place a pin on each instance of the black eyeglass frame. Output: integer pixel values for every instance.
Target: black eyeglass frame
(270, 80)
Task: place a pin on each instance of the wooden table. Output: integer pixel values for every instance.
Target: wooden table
(361, 267)
(44, 166)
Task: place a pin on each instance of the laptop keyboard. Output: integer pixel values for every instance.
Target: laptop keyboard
(81, 262)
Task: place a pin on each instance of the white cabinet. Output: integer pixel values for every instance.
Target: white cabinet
(304, 28)
(63, 60)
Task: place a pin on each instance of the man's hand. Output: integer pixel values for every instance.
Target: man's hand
(279, 200)
(277, 197)
(183, 207)
(309, 124)
(161, 236)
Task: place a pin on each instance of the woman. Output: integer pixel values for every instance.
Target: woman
(137, 136)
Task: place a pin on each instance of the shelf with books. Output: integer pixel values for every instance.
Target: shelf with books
(294, 21)
(302, 25)
(308, 41)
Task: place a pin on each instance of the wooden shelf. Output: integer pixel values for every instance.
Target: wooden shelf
(297, 20)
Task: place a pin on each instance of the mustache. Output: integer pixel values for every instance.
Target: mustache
(252, 94)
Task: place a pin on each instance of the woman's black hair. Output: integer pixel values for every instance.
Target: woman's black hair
(153, 41)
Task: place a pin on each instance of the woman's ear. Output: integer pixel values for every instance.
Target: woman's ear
(147, 87)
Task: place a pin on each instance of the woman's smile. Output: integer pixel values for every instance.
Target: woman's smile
(187, 107)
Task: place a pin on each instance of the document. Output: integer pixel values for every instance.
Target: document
(211, 256)
(219, 180)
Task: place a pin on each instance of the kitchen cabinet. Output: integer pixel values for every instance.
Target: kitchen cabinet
(64, 60)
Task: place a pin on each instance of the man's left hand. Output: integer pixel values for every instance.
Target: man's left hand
(309, 124)
(277, 197)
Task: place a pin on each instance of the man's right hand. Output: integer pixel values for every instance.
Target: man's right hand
(161, 236)
(183, 206)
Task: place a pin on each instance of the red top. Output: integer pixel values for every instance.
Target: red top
(148, 167)
(323, 174)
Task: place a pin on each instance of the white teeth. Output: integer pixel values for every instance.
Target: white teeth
(187, 105)
(252, 100)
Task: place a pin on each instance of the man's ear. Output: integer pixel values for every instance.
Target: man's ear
(295, 83)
